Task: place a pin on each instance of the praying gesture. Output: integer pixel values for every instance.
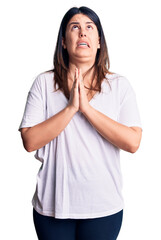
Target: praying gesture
(78, 97)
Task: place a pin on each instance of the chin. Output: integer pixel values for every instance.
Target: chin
(83, 57)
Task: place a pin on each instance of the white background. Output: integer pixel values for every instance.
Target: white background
(28, 36)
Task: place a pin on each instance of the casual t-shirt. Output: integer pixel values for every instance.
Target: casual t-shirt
(80, 174)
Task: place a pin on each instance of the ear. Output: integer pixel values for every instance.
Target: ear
(99, 43)
(63, 43)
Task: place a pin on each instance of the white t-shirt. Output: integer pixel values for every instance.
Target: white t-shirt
(80, 173)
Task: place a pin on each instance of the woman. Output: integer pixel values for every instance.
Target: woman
(78, 116)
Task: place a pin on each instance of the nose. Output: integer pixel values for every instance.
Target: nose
(82, 33)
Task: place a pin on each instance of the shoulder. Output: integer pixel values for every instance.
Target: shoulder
(118, 81)
(119, 85)
(44, 76)
(116, 77)
(42, 80)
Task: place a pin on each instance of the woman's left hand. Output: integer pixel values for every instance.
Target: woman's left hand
(83, 100)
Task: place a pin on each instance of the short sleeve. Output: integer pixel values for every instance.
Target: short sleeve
(128, 112)
(34, 108)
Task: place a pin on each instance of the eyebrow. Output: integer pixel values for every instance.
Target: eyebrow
(78, 23)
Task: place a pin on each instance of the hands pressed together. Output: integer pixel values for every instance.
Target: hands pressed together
(78, 97)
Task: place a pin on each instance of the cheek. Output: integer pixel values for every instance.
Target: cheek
(69, 39)
(95, 44)
(70, 45)
(95, 40)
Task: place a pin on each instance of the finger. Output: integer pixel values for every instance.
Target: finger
(79, 73)
(80, 76)
(76, 73)
(76, 78)
(80, 79)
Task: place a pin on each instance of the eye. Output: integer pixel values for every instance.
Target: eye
(75, 26)
(89, 26)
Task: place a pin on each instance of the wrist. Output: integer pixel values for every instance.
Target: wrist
(87, 109)
(71, 109)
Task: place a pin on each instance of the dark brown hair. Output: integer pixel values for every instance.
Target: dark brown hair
(61, 58)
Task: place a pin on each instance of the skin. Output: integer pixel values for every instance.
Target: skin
(80, 27)
(80, 60)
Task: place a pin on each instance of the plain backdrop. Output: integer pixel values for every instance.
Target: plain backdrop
(28, 36)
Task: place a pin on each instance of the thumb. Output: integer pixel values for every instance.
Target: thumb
(80, 77)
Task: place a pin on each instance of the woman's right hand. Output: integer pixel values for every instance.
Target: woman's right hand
(74, 94)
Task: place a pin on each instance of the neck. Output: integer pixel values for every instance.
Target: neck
(84, 68)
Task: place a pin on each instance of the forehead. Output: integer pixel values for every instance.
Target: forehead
(80, 18)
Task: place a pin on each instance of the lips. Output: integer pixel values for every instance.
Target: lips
(79, 42)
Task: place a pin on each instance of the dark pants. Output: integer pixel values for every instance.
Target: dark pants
(102, 228)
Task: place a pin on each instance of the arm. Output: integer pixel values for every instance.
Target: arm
(126, 138)
(39, 135)
(123, 137)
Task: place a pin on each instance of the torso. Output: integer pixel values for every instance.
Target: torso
(90, 93)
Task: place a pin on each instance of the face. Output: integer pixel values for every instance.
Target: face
(81, 38)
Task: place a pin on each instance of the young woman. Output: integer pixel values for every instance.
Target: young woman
(77, 117)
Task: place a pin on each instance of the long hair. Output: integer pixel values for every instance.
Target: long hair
(61, 57)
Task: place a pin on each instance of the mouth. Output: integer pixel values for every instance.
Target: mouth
(83, 44)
